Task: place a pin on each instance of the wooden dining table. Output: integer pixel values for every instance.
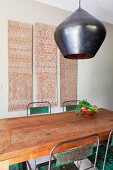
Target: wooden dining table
(29, 137)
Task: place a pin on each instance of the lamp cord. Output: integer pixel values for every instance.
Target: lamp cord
(79, 3)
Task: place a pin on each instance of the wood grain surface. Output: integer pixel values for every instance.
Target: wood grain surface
(31, 137)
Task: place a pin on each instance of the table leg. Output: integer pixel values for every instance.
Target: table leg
(4, 165)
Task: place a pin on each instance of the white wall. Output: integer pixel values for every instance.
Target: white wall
(69, 5)
(95, 76)
(101, 9)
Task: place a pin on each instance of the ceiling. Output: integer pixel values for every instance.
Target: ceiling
(102, 9)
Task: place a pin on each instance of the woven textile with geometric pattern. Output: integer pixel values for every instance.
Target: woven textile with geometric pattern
(68, 79)
(19, 65)
(45, 51)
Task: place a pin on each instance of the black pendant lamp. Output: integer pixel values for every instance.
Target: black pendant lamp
(80, 35)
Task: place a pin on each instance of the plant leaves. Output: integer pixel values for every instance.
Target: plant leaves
(85, 103)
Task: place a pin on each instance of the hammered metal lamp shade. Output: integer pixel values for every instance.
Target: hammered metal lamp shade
(80, 35)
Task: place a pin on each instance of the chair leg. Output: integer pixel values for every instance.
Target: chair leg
(24, 165)
(78, 164)
(36, 166)
(29, 165)
(107, 147)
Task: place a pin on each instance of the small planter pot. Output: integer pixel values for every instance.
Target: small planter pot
(88, 113)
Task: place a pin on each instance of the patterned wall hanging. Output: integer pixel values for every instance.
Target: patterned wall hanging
(68, 79)
(20, 65)
(45, 63)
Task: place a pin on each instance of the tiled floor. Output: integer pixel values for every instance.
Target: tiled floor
(85, 164)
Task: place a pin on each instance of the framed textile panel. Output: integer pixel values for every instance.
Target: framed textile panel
(68, 79)
(20, 65)
(45, 63)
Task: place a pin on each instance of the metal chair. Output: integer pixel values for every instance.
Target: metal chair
(34, 108)
(109, 153)
(105, 154)
(65, 159)
(70, 105)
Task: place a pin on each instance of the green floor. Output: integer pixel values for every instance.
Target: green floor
(100, 159)
(20, 166)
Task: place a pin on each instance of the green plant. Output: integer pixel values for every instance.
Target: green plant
(85, 105)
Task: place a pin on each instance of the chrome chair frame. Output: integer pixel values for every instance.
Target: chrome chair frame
(45, 102)
(72, 141)
(28, 106)
(107, 147)
(69, 101)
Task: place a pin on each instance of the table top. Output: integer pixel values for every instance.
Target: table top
(29, 137)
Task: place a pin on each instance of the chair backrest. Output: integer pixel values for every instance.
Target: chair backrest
(34, 108)
(75, 153)
(70, 105)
